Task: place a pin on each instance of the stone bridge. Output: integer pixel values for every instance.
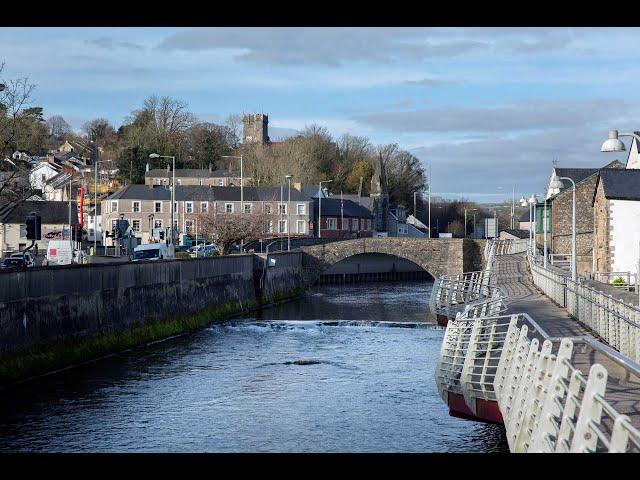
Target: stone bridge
(437, 256)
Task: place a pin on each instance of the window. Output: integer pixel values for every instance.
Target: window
(157, 207)
(356, 224)
(113, 224)
(188, 226)
(175, 207)
(270, 226)
(135, 225)
(301, 226)
(267, 209)
(204, 207)
(220, 182)
(247, 208)
(368, 224)
(157, 224)
(189, 207)
(282, 226)
(44, 177)
(300, 209)
(282, 208)
(178, 181)
(332, 223)
(23, 231)
(135, 206)
(345, 224)
(228, 207)
(114, 206)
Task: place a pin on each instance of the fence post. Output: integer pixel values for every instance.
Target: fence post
(585, 440)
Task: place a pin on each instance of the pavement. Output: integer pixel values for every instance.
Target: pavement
(511, 274)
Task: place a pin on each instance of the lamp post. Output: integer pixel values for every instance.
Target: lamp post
(320, 207)
(173, 191)
(241, 190)
(533, 201)
(151, 216)
(289, 177)
(556, 182)
(525, 203)
(465, 220)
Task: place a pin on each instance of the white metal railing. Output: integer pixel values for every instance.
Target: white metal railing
(616, 322)
(451, 294)
(551, 283)
(560, 260)
(547, 404)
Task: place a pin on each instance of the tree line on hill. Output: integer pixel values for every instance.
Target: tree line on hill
(165, 126)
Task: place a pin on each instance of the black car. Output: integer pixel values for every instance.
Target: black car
(13, 262)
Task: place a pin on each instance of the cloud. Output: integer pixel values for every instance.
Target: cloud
(521, 115)
(321, 46)
(111, 44)
(475, 169)
(429, 82)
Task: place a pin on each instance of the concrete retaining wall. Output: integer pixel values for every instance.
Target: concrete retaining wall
(54, 303)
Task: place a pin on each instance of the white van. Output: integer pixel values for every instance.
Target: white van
(59, 252)
(154, 251)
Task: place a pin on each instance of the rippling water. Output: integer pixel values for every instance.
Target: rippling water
(348, 368)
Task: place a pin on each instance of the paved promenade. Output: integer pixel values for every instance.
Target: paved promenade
(512, 276)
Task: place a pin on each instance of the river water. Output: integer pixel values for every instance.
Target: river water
(344, 369)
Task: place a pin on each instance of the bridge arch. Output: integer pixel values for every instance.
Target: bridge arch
(436, 256)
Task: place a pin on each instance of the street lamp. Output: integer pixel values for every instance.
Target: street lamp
(532, 223)
(289, 177)
(465, 220)
(241, 188)
(173, 191)
(320, 207)
(556, 182)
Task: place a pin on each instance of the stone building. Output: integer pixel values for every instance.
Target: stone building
(194, 176)
(560, 204)
(148, 207)
(380, 195)
(616, 213)
(255, 128)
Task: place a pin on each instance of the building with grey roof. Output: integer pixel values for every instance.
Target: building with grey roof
(616, 207)
(194, 176)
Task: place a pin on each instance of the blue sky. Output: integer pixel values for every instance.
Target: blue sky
(488, 108)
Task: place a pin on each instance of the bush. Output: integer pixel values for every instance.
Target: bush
(619, 282)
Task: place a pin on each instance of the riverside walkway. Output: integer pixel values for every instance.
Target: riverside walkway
(511, 274)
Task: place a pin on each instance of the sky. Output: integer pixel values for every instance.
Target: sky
(487, 110)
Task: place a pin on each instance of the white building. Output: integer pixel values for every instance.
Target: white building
(41, 173)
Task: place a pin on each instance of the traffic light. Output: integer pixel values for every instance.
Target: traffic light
(33, 222)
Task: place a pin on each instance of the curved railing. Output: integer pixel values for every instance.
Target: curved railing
(547, 403)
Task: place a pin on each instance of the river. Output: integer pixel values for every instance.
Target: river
(343, 369)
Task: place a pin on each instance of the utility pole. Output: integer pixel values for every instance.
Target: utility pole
(341, 214)
(429, 200)
(289, 177)
(95, 213)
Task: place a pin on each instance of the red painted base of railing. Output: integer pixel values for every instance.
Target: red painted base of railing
(486, 411)
(442, 320)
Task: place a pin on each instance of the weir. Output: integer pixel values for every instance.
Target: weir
(559, 380)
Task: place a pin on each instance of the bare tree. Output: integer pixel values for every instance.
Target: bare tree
(234, 124)
(14, 100)
(58, 127)
(227, 229)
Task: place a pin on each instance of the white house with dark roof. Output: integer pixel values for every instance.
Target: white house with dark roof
(616, 205)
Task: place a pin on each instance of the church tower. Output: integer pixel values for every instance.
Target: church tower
(255, 128)
(380, 195)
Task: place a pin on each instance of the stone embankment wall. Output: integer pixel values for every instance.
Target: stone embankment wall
(48, 304)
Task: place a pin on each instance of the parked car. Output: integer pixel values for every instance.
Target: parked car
(154, 251)
(203, 250)
(19, 259)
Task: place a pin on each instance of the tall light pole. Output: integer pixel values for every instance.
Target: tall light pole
(289, 177)
(173, 192)
(95, 212)
(544, 229)
(465, 220)
(241, 191)
(525, 203)
(556, 182)
(533, 201)
(429, 200)
(320, 207)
